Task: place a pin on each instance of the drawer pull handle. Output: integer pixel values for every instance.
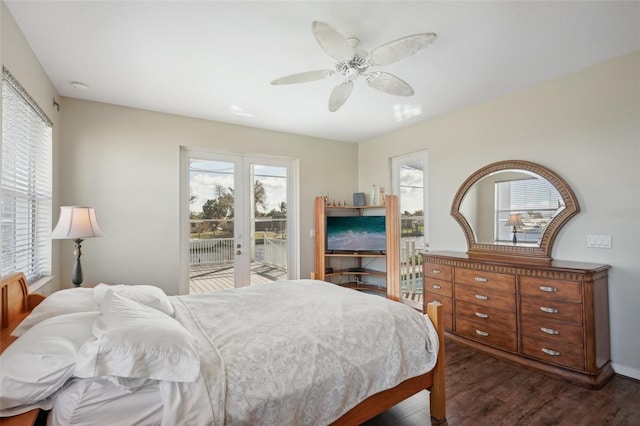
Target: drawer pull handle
(481, 297)
(549, 330)
(481, 279)
(481, 315)
(548, 289)
(437, 287)
(550, 352)
(436, 271)
(548, 310)
(482, 333)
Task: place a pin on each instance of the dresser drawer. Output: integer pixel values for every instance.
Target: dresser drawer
(486, 297)
(433, 270)
(490, 280)
(554, 352)
(570, 291)
(485, 315)
(551, 309)
(490, 335)
(552, 330)
(443, 288)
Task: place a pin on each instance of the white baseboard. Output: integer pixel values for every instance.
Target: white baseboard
(626, 371)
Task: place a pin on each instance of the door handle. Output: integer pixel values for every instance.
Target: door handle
(239, 252)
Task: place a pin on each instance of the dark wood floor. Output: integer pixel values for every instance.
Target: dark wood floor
(482, 390)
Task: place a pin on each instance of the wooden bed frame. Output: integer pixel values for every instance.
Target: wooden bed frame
(17, 303)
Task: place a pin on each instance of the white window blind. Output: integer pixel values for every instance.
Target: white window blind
(536, 200)
(26, 183)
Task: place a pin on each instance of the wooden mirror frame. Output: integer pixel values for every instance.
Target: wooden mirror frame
(529, 254)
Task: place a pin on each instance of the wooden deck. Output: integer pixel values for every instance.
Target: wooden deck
(208, 278)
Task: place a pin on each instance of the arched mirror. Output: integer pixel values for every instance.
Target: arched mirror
(513, 210)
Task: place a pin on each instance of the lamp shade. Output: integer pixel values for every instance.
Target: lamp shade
(76, 223)
(514, 220)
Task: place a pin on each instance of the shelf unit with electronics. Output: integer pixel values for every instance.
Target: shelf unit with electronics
(351, 269)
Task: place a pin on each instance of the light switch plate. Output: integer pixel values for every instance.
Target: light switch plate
(599, 241)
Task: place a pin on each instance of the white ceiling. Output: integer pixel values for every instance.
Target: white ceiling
(215, 59)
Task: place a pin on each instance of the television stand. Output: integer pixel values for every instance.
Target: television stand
(352, 266)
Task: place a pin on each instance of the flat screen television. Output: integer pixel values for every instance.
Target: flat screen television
(356, 234)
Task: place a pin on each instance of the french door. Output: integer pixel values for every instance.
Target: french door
(239, 217)
(409, 179)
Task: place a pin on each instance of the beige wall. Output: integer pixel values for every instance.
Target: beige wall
(585, 127)
(17, 57)
(126, 163)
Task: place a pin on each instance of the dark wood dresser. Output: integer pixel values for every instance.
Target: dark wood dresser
(553, 316)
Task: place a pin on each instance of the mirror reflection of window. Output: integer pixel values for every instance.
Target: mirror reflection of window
(536, 201)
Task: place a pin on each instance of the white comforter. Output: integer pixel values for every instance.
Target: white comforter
(297, 352)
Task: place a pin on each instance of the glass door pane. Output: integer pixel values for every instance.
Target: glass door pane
(212, 223)
(409, 183)
(268, 223)
(412, 240)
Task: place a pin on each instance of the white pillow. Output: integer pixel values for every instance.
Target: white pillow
(59, 303)
(43, 358)
(134, 340)
(148, 295)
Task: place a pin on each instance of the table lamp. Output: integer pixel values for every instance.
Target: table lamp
(514, 220)
(76, 223)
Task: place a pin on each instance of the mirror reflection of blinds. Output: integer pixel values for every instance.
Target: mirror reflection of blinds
(535, 200)
(26, 183)
(527, 194)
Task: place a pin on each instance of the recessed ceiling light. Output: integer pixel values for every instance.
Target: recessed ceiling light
(79, 86)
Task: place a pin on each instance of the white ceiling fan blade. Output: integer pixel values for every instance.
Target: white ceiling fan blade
(399, 49)
(332, 42)
(303, 77)
(389, 83)
(339, 95)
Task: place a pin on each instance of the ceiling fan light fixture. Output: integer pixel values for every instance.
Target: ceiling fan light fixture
(352, 62)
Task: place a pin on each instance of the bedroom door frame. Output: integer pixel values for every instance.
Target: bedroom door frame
(243, 210)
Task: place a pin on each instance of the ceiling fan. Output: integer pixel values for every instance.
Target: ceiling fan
(353, 62)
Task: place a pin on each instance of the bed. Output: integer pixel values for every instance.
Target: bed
(137, 356)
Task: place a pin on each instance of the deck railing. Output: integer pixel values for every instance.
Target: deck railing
(411, 282)
(217, 251)
(275, 252)
(220, 251)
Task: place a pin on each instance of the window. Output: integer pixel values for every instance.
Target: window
(533, 201)
(25, 190)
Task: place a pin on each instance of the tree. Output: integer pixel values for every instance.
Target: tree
(259, 197)
(221, 207)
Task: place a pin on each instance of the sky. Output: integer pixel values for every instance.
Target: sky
(205, 175)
